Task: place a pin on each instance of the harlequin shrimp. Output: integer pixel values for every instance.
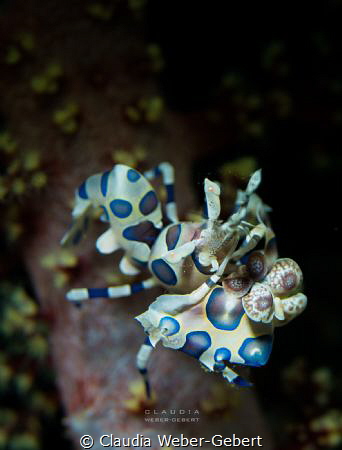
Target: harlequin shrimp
(228, 324)
(179, 256)
(131, 207)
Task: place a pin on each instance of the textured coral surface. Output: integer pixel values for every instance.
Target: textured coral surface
(103, 69)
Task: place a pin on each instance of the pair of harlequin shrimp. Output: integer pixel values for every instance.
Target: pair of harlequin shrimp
(219, 325)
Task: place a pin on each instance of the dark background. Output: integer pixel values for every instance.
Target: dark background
(283, 108)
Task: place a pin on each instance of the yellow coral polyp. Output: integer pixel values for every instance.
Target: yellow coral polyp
(99, 11)
(133, 113)
(31, 160)
(67, 259)
(3, 437)
(153, 108)
(7, 143)
(57, 261)
(14, 231)
(3, 188)
(138, 397)
(23, 302)
(13, 321)
(241, 167)
(220, 400)
(323, 378)
(13, 55)
(65, 118)
(47, 82)
(39, 84)
(60, 279)
(63, 114)
(136, 6)
(69, 127)
(140, 153)
(38, 180)
(114, 278)
(123, 157)
(329, 427)
(255, 129)
(39, 402)
(26, 41)
(14, 167)
(18, 186)
(59, 116)
(155, 54)
(38, 347)
(48, 261)
(131, 158)
(24, 441)
(23, 382)
(5, 373)
(54, 70)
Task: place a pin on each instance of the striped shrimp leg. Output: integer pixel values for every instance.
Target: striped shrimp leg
(232, 377)
(142, 358)
(166, 171)
(80, 294)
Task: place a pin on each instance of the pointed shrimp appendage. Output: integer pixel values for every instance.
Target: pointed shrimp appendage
(206, 259)
(149, 321)
(159, 322)
(167, 304)
(212, 196)
(294, 305)
(161, 327)
(241, 203)
(258, 304)
(238, 283)
(79, 225)
(251, 241)
(254, 182)
(127, 268)
(270, 250)
(291, 308)
(179, 253)
(106, 243)
(256, 210)
(285, 278)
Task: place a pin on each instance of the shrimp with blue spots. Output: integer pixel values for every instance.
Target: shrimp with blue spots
(130, 206)
(179, 256)
(185, 253)
(230, 319)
